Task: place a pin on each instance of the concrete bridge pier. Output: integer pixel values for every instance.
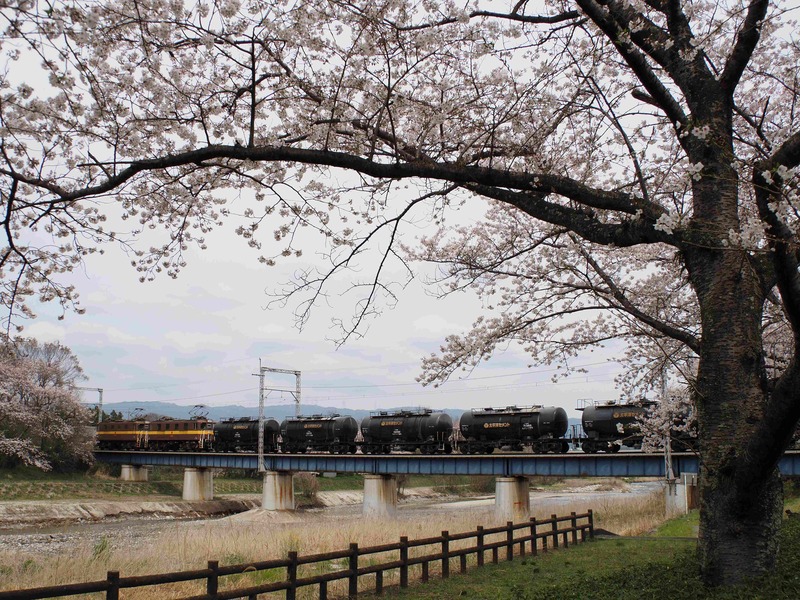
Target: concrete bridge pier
(278, 491)
(682, 494)
(198, 484)
(380, 496)
(133, 473)
(512, 499)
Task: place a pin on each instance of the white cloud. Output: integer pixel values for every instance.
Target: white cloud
(193, 341)
(434, 324)
(45, 331)
(199, 339)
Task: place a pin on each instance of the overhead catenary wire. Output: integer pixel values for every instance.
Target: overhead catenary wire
(371, 385)
(431, 393)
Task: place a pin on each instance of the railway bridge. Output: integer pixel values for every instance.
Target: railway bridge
(511, 470)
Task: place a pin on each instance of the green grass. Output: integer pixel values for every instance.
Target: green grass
(85, 489)
(342, 482)
(685, 526)
(613, 569)
(30, 474)
(31, 484)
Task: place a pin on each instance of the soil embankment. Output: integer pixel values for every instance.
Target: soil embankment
(39, 513)
(20, 514)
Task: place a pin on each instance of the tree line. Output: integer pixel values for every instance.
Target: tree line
(42, 421)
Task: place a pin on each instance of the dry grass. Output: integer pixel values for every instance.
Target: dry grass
(187, 546)
(634, 516)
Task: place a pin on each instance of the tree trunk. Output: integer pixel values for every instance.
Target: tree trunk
(741, 495)
(738, 528)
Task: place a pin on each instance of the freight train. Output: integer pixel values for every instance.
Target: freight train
(333, 433)
(610, 426)
(542, 429)
(427, 431)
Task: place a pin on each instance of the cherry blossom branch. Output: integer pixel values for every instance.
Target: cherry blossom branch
(637, 62)
(746, 41)
(625, 304)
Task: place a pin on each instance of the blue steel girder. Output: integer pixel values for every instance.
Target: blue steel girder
(627, 464)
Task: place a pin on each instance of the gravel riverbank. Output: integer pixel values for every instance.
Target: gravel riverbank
(51, 527)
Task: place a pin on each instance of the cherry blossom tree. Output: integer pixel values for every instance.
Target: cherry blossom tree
(42, 422)
(630, 167)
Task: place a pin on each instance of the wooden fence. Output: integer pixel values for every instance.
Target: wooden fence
(537, 536)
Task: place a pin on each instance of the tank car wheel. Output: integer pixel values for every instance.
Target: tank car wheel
(587, 447)
(564, 447)
(613, 448)
(448, 449)
(353, 449)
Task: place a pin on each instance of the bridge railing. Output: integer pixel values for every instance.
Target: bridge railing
(532, 536)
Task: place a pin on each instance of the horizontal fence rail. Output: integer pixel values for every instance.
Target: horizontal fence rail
(532, 536)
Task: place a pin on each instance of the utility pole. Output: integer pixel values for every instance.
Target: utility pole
(261, 395)
(99, 401)
(667, 436)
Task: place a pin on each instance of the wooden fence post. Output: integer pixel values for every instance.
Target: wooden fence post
(212, 583)
(323, 590)
(509, 540)
(112, 593)
(378, 582)
(534, 541)
(352, 591)
(445, 554)
(480, 545)
(291, 576)
(404, 561)
(554, 519)
(591, 524)
(574, 522)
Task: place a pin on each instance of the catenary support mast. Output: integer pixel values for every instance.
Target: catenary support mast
(261, 395)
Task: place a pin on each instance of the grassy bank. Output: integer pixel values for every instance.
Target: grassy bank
(614, 569)
(661, 564)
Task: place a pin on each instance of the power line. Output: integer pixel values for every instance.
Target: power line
(425, 392)
(367, 386)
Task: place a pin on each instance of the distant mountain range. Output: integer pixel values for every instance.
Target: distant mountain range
(217, 413)
(279, 411)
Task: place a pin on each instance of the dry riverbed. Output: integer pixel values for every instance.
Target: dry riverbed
(44, 528)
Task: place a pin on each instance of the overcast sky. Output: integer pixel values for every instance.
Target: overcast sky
(198, 340)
